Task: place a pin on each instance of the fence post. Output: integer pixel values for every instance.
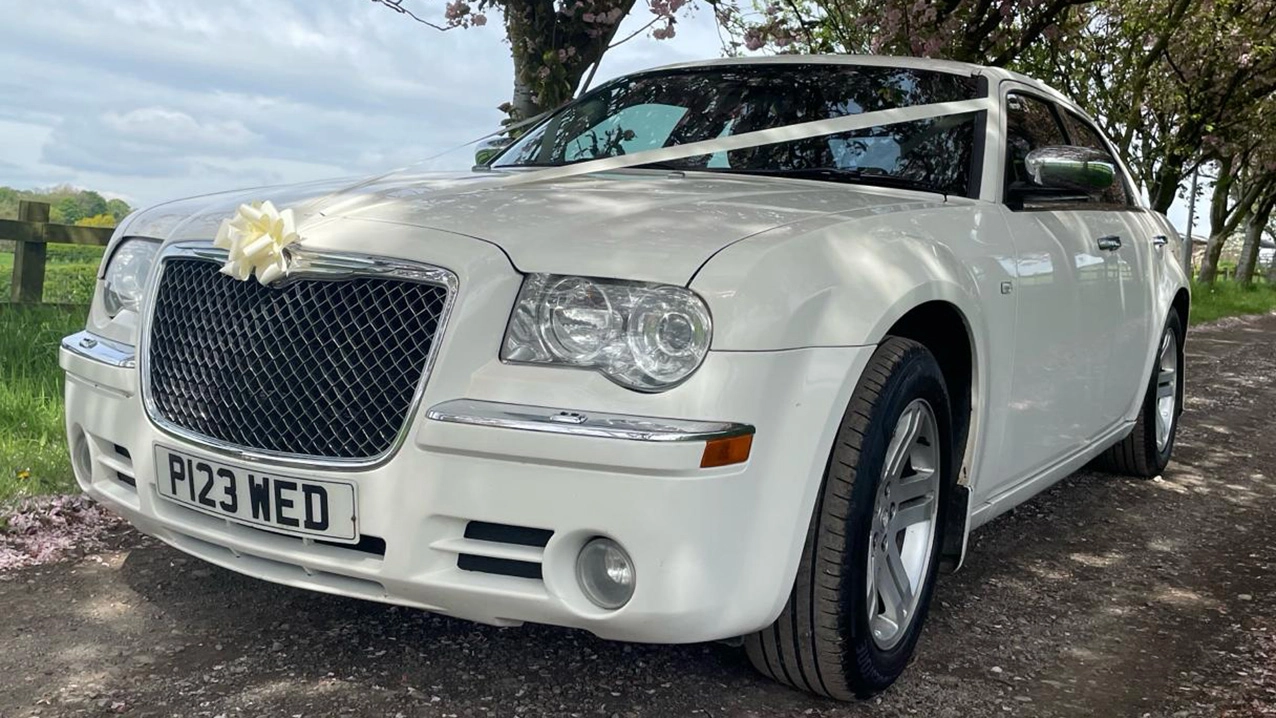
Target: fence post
(28, 257)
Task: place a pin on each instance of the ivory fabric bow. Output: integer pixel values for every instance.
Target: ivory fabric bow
(255, 238)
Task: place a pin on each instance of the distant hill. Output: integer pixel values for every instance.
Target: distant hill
(70, 205)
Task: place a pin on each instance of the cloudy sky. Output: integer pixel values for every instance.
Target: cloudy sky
(156, 99)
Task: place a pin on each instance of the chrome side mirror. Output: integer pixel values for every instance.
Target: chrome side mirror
(489, 149)
(1077, 169)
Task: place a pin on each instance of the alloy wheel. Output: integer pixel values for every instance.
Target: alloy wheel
(1166, 390)
(903, 524)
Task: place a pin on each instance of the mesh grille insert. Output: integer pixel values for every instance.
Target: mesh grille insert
(311, 367)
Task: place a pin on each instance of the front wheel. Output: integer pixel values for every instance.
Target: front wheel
(1146, 451)
(868, 568)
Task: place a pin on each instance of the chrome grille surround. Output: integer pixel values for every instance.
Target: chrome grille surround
(307, 265)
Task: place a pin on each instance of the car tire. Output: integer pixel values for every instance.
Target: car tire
(1146, 451)
(824, 639)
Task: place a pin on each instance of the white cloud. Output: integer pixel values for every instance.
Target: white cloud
(173, 127)
(154, 99)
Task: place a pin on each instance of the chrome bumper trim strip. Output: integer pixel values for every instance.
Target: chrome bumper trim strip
(98, 349)
(579, 423)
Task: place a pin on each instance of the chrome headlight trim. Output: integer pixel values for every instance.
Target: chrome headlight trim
(126, 273)
(643, 336)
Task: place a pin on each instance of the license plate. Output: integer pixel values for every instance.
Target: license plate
(315, 508)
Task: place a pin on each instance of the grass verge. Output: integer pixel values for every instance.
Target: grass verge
(33, 453)
(1229, 299)
(69, 273)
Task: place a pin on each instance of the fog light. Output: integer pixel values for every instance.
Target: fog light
(605, 573)
(81, 456)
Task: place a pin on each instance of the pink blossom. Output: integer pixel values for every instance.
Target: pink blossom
(454, 11)
(479, 19)
(50, 528)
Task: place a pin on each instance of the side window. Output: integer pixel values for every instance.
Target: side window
(1030, 124)
(1083, 134)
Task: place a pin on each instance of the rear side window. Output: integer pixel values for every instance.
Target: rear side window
(1083, 134)
(1030, 124)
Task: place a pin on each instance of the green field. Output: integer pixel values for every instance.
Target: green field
(68, 273)
(33, 453)
(1229, 299)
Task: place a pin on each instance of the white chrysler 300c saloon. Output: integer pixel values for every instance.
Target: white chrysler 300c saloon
(739, 348)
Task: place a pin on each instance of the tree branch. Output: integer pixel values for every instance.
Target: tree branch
(397, 6)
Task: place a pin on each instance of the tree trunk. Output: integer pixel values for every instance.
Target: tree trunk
(1218, 221)
(552, 51)
(1271, 271)
(523, 104)
(1166, 185)
(528, 24)
(1253, 241)
(1249, 252)
(1209, 262)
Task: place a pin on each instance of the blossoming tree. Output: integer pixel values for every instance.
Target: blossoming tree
(553, 43)
(992, 32)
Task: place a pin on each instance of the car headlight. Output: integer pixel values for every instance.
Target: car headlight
(124, 283)
(647, 337)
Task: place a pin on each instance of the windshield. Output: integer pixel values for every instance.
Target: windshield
(661, 109)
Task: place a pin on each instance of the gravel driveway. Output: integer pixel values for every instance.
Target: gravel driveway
(1104, 596)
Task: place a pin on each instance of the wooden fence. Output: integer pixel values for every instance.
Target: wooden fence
(31, 233)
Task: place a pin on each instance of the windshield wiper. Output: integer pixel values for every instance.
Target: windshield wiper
(842, 174)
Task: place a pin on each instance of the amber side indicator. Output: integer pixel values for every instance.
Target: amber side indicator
(724, 452)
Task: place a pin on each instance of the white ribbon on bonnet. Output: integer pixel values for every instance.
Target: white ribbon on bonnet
(256, 236)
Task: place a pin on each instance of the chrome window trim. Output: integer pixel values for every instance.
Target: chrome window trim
(100, 349)
(309, 264)
(580, 423)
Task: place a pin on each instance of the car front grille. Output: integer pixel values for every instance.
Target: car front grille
(315, 367)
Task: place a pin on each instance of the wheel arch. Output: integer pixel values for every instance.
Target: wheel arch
(1182, 303)
(944, 329)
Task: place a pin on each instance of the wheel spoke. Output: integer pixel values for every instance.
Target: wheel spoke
(915, 513)
(910, 423)
(883, 626)
(916, 487)
(1164, 390)
(898, 578)
(893, 599)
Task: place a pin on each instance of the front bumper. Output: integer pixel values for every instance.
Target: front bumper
(715, 550)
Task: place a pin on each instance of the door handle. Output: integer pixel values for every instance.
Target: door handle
(1109, 243)
(1160, 240)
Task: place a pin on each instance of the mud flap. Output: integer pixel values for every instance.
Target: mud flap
(954, 542)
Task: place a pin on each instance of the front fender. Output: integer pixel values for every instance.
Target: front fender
(847, 281)
(838, 281)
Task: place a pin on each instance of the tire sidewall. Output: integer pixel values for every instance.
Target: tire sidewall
(1162, 457)
(916, 376)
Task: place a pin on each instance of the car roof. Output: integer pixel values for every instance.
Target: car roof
(994, 74)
